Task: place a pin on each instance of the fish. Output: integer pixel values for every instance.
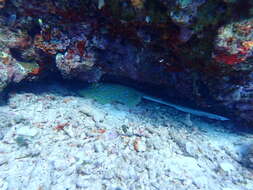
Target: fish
(186, 109)
(109, 93)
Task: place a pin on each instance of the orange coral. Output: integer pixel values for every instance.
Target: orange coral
(46, 47)
(137, 3)
(6, 60)
(235, 58)
(35, 71)
(248, 44)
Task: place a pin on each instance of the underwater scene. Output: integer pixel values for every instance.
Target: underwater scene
(126, 95)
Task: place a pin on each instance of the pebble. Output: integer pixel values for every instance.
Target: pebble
(98, 147)
(3, 184)
(82, 182)
(27, 131)
(4, 160)
(96, 114)
(60, 164)
(140, 145)
(227, 167)
(191, 149)
(201, 182)
(111, 135)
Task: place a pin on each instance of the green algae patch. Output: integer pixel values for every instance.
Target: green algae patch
(29, 66)
(106, 93)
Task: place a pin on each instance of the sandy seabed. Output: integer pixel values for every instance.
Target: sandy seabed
(52, 139)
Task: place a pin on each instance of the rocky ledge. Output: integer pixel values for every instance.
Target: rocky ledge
(196, 50)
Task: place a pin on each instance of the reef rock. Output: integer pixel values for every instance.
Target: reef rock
(233, 52)
(14, 57)
(196, 50)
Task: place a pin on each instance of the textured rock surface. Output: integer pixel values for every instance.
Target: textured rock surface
(199, 50)
(234, 52)
(16, 56)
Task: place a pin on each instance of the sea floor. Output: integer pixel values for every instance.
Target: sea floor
(52, 139)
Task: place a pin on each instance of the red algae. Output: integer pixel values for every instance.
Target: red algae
(229, 59)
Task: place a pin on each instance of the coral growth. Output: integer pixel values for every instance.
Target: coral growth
(202, 49)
